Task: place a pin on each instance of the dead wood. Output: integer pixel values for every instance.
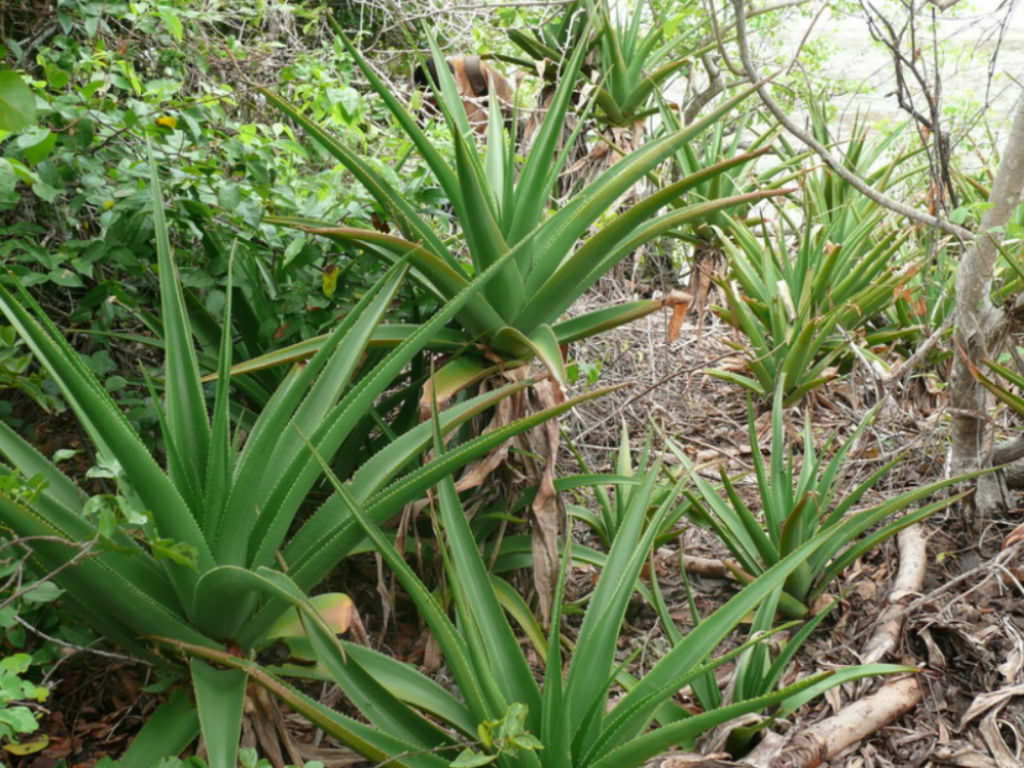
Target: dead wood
(908, 583)
(826, 739)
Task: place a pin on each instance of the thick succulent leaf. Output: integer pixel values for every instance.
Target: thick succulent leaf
(386, 336)
(634, 711)
(299, 408)
(592, 323)
(592, 666)
(124, 590)
(541, 344)
(220, 700)
(483, 233)
(482, 699)
(111, 431)
(167, 731)
(494, 647)
(581, 270)
(409, 685)
(330, 534)
(456, 375)
(374, 473)
(792, 703)
(273, 524)
(499, 163)
(189, 427)
(366, 740)
(555, 727)
(424, 145)
(220, 458)
(636, 751)
(537, 177)
(561, 231)
(373, 700)
(408, 220)
(445, 277)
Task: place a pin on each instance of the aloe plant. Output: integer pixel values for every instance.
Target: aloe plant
(800, 502)
(802, 308)
(222, 505)
(500, 714)
(501, 207)
(635, 60)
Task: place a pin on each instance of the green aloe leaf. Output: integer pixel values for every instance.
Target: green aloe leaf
(167, 731)
(365, 739)
(220, 700)
(189, 427)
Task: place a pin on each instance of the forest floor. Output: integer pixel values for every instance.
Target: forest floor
(964, 630)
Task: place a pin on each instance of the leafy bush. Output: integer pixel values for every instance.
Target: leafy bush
(16, 719)
(122, 88)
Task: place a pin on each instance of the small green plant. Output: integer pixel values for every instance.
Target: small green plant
(504, 736)
(802, 311)
(17, 719)
(800, 502)
(613, 492)
(762, 661)
(16, 372)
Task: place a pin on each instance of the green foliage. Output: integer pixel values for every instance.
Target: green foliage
(634, 63)
(119, 84)
(762, 661)
(16, 372)
(1010, 395)
(17, 104)
(800, 502)
(16, 719)
(171, 559)
(804, 313)
(568, 716)
(613, 495)
(501, 207)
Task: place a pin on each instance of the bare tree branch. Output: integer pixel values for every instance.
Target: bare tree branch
(837, 167)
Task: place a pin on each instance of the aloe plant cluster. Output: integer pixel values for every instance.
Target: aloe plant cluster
(211, 545)
(501, 207)
(807, 310)
(222, 506)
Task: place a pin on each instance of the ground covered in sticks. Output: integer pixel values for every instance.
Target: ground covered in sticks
(964, 628)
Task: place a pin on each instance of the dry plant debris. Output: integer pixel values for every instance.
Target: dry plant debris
(945, 597)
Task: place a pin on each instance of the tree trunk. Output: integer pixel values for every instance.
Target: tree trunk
(981, 326)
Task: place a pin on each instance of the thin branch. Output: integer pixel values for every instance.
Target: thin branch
(837, 167)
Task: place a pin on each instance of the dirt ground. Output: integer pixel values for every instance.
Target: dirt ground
(964, 630)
